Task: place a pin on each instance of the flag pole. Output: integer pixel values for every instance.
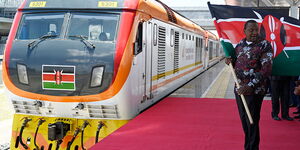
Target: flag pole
(242, 96)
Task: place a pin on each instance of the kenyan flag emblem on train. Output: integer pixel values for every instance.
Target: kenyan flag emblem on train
(58, 77)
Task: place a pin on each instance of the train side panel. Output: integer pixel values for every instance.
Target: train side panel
(170, 57)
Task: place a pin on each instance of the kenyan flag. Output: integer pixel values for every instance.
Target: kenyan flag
(281, 31)
(56, 77)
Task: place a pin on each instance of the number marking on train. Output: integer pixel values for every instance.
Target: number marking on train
(107, 4)
(37, 4)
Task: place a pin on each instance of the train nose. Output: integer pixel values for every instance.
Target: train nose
(65, 65)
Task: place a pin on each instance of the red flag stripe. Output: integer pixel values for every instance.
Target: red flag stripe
(51, 77)
(232, 30)
(293, 37)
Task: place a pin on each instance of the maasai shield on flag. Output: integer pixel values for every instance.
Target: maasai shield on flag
(283, 32)
(58, 77)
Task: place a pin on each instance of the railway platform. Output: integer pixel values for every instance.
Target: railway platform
(201, 115)
(198, 124)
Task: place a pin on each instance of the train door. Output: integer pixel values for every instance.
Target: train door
(205, 58)
(201, 50)
(198, 51)
(218, 49)
(148, 37)
(139, 63)
(210, 52)
(145, 62)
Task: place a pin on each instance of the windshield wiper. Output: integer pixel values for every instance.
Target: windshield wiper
(40, 39)
(84, 40)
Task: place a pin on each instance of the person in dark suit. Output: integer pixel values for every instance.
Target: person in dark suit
(297, 92)
(252, 64)
(280, 86)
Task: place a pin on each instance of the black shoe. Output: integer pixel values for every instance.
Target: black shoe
(287, 118)
(297, 117)
(276, 118)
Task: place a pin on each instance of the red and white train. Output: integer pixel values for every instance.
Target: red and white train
(75, 70)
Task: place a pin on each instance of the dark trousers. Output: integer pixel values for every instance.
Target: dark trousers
(251, 131)
(280, 93)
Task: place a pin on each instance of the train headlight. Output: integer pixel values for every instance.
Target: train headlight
(97, 75)
(22, 73)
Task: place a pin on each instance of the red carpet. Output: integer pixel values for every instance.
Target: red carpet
(199, 124)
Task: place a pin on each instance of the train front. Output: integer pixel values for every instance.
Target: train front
(60, 69)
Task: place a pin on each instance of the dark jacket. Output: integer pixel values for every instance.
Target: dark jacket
(253, 64)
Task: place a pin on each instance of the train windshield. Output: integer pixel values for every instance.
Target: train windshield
(97, 27)
(34, 26)
(90, 26)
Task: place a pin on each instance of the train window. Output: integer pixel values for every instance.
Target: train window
(155, 34)
(138, 44)
(34, 26)
(193, 38)
(172, 38)
(201, 42)
(182, 35)
(186, 37)
(97, 27)
(189, 37)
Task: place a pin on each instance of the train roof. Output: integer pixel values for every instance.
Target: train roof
(159, 10)
(80, 4)
(155, 8)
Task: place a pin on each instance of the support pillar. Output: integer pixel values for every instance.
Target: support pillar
(294, 12)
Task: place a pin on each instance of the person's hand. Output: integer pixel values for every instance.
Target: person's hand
(228, 61)
(297, 90)
(246, 89)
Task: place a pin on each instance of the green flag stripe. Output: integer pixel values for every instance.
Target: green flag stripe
(52, 85)
(228, 49)
(283, 65)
